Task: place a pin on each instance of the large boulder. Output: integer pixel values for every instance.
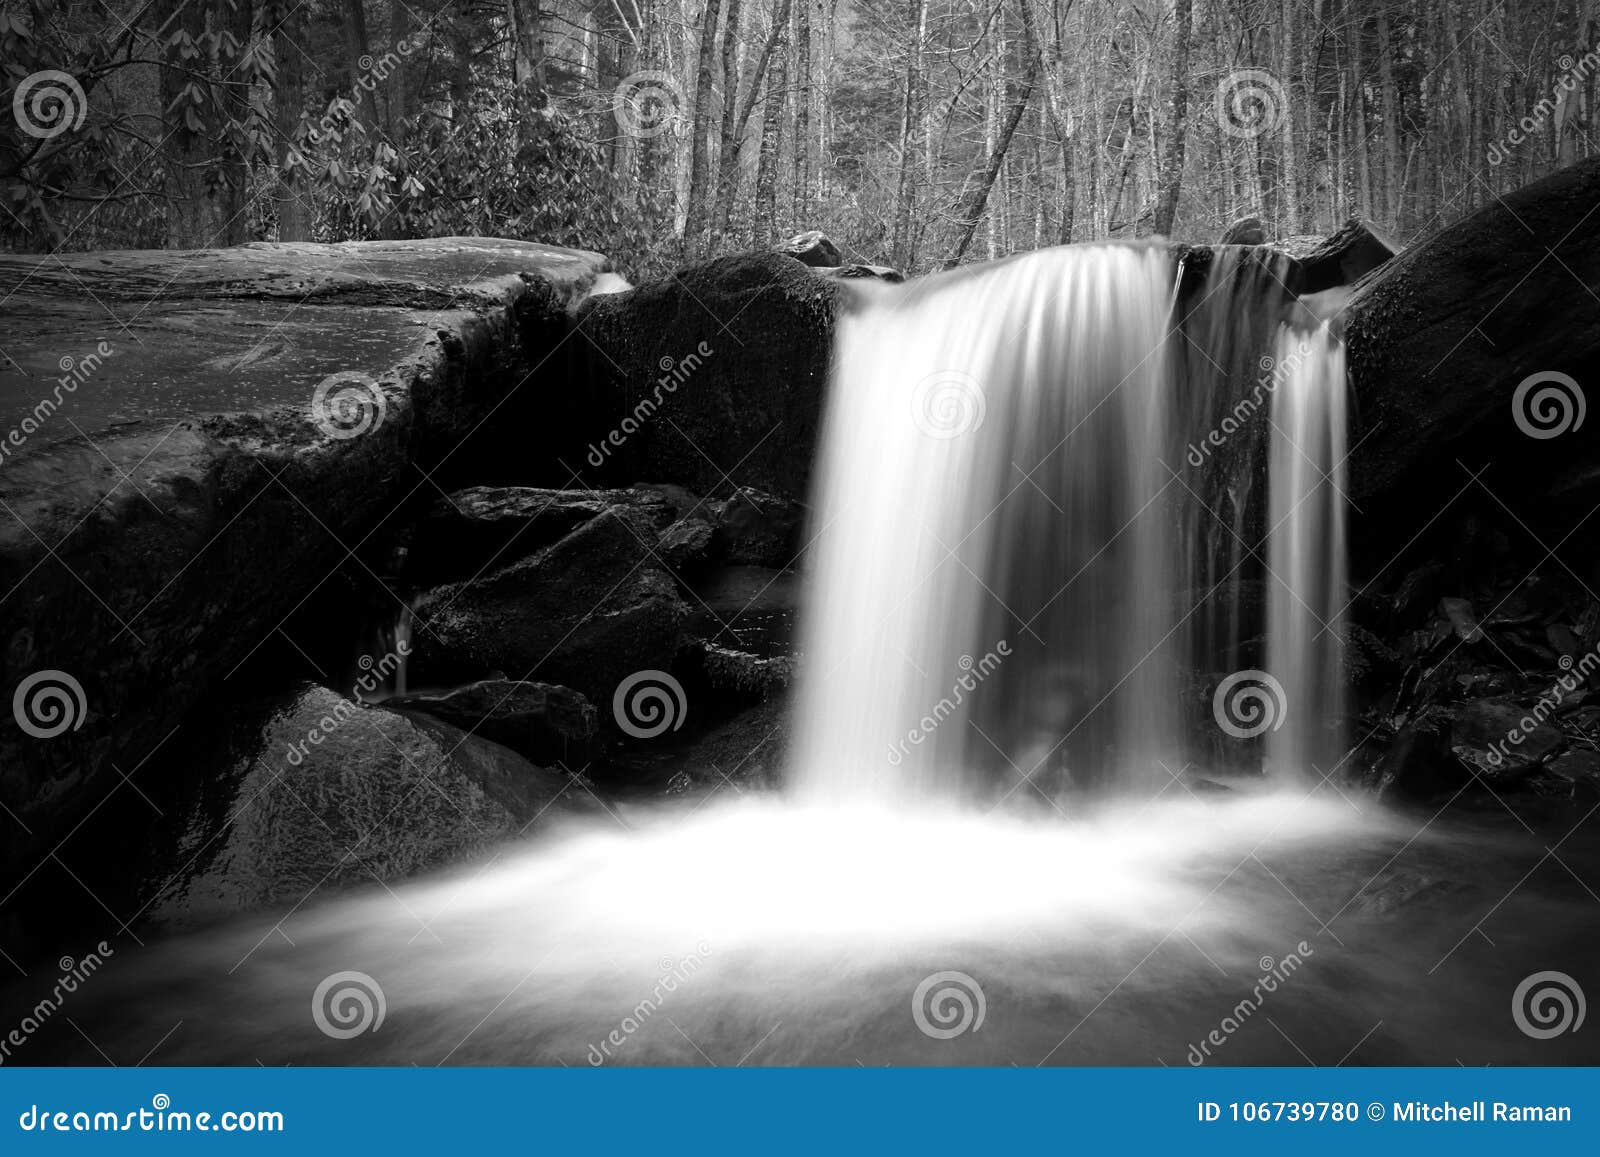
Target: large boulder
(586, 612)
(713, 377)
(196, 446)
(308, 793)
(1477, 347)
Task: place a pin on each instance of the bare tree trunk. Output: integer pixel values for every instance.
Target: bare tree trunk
(972, 210)
(766, 209)
(802, 112)
(695, 222)
(910, 126)
(1172, 163)
(1391, 137)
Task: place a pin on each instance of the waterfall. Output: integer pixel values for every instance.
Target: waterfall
(992, 587)
(1307, 601)
(1016, 549)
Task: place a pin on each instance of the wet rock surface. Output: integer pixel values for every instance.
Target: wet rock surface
(163, 516)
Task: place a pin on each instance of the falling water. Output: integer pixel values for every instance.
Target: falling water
(1307, 601)
(993, 583)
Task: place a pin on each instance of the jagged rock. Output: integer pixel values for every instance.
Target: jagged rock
(758, 529)
(746, 675)
(1245, 231)
(586, 612)
(865, 273)
(1500, 740)
(496, 525)
(308, 793)
(747, 340)
(148, 565)
(813, 248)
(1343, 258)
(546, 723)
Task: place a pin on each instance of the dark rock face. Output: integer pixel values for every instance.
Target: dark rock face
(146, 566)
(1245, 231)
(484, 526)
(1342, 258)
(544, 722)
(586, 612)
(713, 377)
(1441, 337)
(812, 248)
(757, 529)
(313, 793)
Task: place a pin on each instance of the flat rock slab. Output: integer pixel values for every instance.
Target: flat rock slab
(157, 335)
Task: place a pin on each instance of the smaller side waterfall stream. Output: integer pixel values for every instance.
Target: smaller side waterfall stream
(1307, 599)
